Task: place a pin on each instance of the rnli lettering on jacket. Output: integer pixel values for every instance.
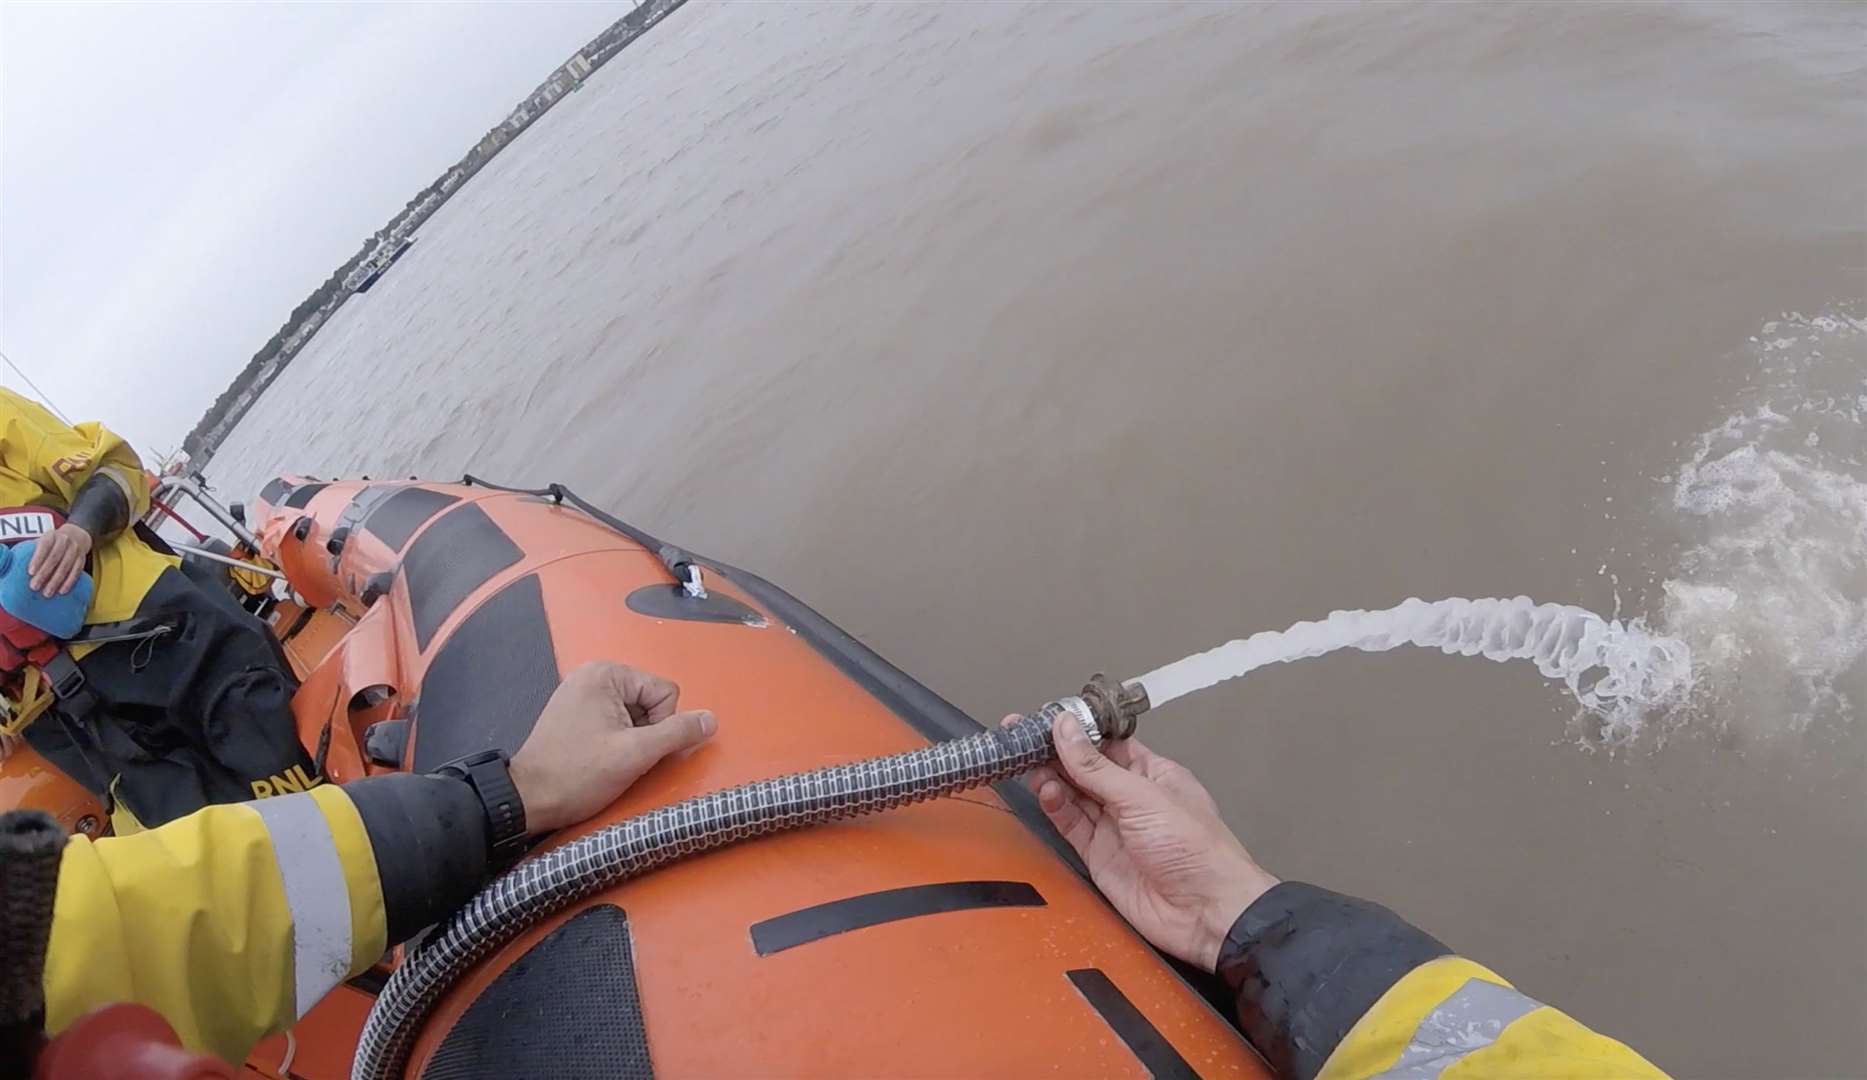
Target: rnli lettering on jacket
(21, 523)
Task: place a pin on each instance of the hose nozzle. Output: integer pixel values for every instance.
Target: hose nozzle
(1116, 707)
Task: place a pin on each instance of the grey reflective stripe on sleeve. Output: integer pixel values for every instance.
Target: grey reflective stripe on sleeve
(117, 475)
(315, 891)
(1470, 1019)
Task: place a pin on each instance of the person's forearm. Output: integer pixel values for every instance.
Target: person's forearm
(101, 507)
(1326, 981)
(1305, 964)
(429, 837)
(231, 922)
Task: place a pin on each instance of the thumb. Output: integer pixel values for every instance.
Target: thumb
(682, 731)
(1090, 769)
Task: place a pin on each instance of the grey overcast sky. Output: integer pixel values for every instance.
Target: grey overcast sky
(175, 178)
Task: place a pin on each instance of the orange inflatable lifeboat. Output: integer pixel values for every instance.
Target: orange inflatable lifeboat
(952, 937)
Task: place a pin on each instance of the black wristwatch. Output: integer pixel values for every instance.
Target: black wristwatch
(487, 773)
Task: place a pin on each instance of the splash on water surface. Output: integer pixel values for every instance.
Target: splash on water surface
(1618, 672)
(1771, 589)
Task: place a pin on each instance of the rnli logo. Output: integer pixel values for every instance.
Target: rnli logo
(73, 466)
(18, 525)
(289, 782)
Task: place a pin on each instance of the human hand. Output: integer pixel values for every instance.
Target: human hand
(603, 728)
(58, 559)
(1153, 840)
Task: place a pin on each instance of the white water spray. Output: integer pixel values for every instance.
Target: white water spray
(1771, 588)
(1616, 671)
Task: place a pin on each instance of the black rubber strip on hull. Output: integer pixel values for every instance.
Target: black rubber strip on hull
(489, 680)
(396, 518)
(1143, 1039)
(303, 494)
(452, 558)
(820, 921)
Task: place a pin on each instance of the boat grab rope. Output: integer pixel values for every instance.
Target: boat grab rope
(682, 564)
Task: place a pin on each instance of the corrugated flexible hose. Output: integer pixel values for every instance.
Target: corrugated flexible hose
(540, 886)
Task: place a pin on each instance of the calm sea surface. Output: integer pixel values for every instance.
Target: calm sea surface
(1030, 340)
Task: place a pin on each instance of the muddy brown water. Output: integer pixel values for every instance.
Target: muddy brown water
(1026, 341)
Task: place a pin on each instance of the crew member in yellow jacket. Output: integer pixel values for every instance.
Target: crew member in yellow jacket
(172, 697)
(234, 921)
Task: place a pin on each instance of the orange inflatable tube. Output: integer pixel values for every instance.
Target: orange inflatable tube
(951, 938)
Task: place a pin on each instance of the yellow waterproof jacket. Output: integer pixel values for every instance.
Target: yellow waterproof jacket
(1331, 987)
(234, 921)
(44, 461)
(1455, 1020)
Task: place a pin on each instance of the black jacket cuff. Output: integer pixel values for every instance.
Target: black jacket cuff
(429, 836)
(1305, 964)
(100, 507)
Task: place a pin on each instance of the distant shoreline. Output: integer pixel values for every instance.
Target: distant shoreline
(380, 248)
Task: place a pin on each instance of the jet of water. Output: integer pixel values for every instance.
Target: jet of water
(1617, 671)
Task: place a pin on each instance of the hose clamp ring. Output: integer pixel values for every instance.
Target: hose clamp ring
(1079, 708)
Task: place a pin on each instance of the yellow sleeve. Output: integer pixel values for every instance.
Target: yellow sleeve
(1456, 1020)
(231, 922)
(58, 458)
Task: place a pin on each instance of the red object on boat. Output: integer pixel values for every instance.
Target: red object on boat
(125, 1042)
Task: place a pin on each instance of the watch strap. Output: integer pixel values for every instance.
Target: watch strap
(489, 775)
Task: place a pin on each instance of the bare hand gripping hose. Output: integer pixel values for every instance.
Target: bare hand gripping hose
(610, 856)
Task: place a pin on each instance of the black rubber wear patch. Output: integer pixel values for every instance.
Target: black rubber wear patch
(891, 905)
(455, 556)
(568, 1009)
(398, 516)
(303, 494)
(490, 679)
(1143, 1039)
